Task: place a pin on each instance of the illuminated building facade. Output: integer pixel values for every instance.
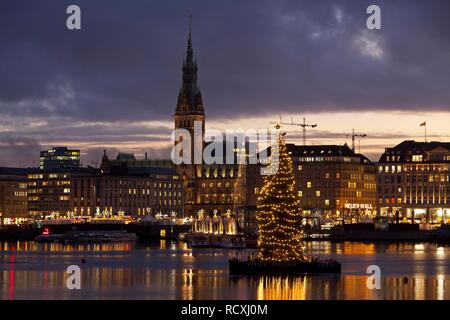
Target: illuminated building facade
(413, 182)
(141, 191)
(134, 191)
(59, 158)
(334, 182)
(13, 195)
(50, 191)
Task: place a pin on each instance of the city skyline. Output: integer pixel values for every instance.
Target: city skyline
(71, 88)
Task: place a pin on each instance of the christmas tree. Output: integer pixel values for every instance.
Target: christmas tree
(279, 215)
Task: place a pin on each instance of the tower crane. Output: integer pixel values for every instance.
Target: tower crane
(303, 124)
(354, 135)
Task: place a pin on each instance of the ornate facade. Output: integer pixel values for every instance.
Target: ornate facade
(213, 188)
(414, 182)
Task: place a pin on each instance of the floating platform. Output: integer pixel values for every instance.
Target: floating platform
(238, 267)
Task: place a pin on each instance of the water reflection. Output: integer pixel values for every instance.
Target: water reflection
(169, 270)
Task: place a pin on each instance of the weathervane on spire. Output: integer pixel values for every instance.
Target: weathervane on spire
(190, 25)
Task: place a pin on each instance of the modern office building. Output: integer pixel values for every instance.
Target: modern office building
(134, 191)
(49, 191)
(413, 182)
(137, 191)
(59, 158)
(13, 195)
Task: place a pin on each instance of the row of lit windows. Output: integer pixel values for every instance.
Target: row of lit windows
(140, 211)
(169, 202)
(436, 167)
(400, 200)
(328, 159)
(218, 184)
(425, 178)
(389, 200)
(219, 199)
(139, 183)
(390, 169)
(37, 198)
(217, 173)
(399, 168)
(112, 192)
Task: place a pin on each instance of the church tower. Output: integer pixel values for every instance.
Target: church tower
(189, 110)
(190, 104)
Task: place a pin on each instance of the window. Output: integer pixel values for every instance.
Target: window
(308, 184)
(318, 193)
(327, 175)
(300, 194)
(417, 158)
(300, 168)
(327, 202)
(256, 190)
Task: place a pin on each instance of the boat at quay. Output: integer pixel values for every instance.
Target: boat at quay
(87, 236)
(200, 240)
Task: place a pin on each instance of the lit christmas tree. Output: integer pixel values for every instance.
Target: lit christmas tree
(279, 215)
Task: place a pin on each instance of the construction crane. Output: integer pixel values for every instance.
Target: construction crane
(354, 135)
(303, 124)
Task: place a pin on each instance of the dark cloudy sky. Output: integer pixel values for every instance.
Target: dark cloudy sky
(114, 83)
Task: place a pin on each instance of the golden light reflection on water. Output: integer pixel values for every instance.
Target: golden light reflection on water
(31, 246)
(168, 270)
(281, 288)
(351, 287)
(188, 284)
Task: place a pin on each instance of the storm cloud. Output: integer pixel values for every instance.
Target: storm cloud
(261, 57)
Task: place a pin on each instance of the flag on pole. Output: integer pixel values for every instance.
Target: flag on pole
(423, 124)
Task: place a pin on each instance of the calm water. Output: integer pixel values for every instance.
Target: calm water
(168, 270)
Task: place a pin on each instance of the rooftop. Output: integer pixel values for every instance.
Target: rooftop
(15, 171)
(433, 151)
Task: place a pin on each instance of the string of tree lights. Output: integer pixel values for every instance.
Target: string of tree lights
(279, 215)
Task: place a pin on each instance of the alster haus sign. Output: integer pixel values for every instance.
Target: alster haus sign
(358, 206)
